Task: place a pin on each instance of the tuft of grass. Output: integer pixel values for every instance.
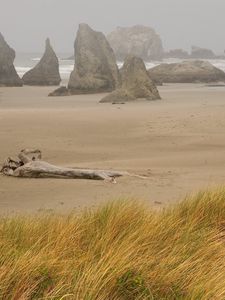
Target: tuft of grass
(121, 251)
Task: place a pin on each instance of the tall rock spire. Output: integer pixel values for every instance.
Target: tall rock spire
(95, 67)
(46, 72)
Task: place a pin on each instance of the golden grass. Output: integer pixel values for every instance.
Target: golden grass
(120, 251)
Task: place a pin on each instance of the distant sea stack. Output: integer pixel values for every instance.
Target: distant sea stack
(202, 53)
(46, 72)
(95, 67)
(187, 72)
(136, 83)
(138, 40)
(70, 57)
(177, 53)
(8, 74)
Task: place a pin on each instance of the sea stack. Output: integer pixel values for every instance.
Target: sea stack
(138, 40)
(95, 67)
(202, 53)
(177, 53)
(46, 72)
(8, 74)
(136, 83)
(187, 72)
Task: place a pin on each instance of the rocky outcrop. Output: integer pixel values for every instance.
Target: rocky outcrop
(202, 53)
(187, 72)
(61, 91)
(136, 83)
(95, 67)
(139, 40)
(46, 72)
(157, 82)
(8, 74)
(177, 53)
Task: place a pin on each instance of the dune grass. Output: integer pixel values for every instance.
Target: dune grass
(120, 251)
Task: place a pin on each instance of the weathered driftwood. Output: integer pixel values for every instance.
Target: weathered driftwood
(30, 165)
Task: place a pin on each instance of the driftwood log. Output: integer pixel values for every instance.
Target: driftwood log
(30, 165)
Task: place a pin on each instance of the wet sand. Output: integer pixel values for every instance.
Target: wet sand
(178, 143)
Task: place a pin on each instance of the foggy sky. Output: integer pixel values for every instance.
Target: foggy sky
(180, 23)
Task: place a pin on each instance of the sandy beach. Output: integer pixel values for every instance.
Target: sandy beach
(177, 142)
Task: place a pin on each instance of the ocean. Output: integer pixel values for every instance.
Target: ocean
(25, 61)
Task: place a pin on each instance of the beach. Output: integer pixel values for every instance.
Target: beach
(177, 143)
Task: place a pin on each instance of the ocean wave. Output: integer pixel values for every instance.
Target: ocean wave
(66, 69)
(218, 63)
(66, 60)
(22, 70)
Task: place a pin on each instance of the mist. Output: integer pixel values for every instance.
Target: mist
(180, 23)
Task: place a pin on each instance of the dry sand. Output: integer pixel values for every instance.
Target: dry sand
(178, 142)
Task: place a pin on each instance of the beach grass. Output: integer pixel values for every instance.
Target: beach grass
(123, 250)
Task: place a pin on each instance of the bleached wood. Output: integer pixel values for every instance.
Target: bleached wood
(30, 165)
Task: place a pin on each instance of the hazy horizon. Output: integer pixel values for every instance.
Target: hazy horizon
(181, 24)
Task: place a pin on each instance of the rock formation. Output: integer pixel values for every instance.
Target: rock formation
(95, 67)
(202, 53)
(157, 82)
(177, 53)
(8, 74)
(46, 72)
(139, 40)
(187, 72)
(136, 83)
(61, 91)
